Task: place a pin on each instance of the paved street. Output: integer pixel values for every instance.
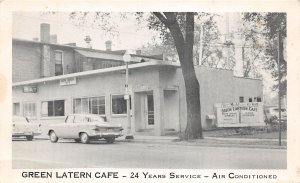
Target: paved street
(68, 154)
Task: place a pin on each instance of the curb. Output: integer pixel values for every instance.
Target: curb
(213, 142)
(205, 144)
(243, 139)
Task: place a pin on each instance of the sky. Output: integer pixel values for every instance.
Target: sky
(129, 34)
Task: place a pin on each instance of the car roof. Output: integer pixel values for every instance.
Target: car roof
(87, 115)
(18, 117)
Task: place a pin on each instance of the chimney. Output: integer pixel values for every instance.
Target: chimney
(88, 41)
(53, 39)
(138, 52)
(45, 33)
(108, 45)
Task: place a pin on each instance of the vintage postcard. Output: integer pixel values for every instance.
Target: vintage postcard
(131, 91)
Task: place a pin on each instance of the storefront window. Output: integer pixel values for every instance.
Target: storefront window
(53, 108)
(89, 105)
(118, 104)
(29, 109)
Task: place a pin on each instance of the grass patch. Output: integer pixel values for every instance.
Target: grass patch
(244, 133)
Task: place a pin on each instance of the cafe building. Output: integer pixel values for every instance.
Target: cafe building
(52, 80)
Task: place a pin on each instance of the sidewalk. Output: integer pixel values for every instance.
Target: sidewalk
(207, 141)
(210, 141)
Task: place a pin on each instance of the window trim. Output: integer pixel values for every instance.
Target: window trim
(52, 117)
(92, 96)
(62, 61)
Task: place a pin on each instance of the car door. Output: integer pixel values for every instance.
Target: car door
(19, 125)
(79, 123)
(66, 130)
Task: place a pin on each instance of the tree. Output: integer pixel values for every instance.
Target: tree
(253, 45)
(204, 47)
(273, 26)
(180, 27)
(184, 47)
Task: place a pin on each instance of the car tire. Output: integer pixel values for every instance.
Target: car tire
(53, 137)
(84, 138)
(110, 140)
(29, 138)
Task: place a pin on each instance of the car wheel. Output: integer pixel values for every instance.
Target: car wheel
(29, 138)
(84, 138)
(53, 137)
(110, 140)
(77, 140)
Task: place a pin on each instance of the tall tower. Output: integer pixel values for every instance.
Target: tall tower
(233, 35)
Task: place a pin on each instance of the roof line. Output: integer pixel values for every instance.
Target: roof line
(82, 48)
(98, 71)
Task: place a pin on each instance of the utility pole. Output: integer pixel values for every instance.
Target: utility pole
(279, 83)
(127, 59)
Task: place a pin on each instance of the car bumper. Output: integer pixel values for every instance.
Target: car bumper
(106, 135)
(22, 134)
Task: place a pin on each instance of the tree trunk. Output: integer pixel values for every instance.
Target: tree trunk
(184, 49)
(194, 128)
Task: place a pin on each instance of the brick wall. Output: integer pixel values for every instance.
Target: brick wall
(26, 63)
(34, 60)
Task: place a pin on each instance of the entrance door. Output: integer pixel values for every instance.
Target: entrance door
(149, 110)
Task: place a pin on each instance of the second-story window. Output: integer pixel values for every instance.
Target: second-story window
(58, 62)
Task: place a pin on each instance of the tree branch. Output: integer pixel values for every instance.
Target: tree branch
(175, 31)
(161, 17)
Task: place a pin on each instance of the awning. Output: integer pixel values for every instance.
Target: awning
(98, 55)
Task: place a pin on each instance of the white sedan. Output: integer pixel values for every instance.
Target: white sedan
(83, 128)
(21, 127)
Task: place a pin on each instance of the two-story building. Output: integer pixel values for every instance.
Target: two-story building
(51, 80)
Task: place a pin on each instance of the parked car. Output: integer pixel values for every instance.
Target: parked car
(272, 114)
(22, 127)
(83, 128)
